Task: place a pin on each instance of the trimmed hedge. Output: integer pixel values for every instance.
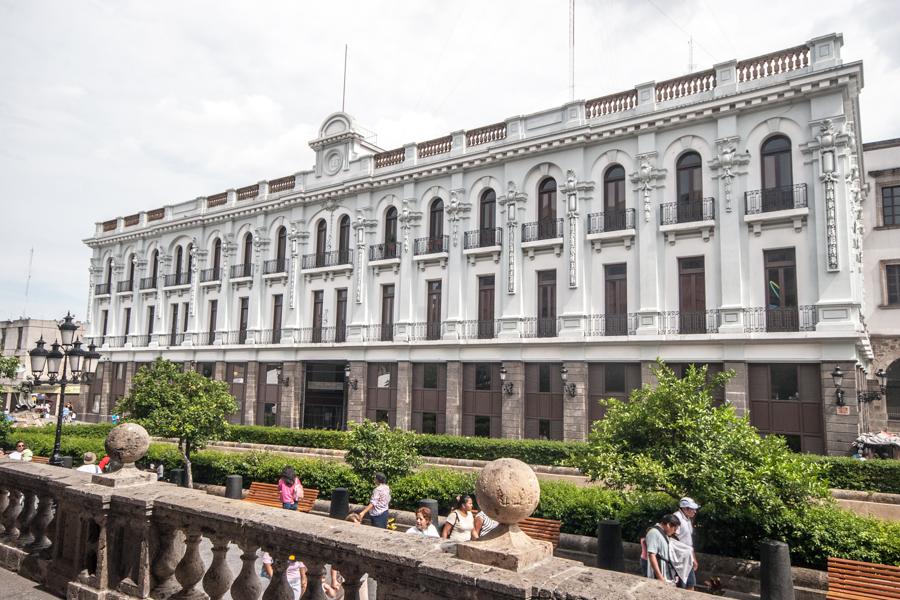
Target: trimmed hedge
(842, 472)
(820, 532)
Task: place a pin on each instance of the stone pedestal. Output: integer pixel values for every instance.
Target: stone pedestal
(507, 547)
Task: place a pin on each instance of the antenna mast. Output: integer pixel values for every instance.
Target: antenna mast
(691, 64)
(344, 92)
(571, 50)
(28, 281)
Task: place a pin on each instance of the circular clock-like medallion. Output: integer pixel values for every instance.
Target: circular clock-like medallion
(333, 162)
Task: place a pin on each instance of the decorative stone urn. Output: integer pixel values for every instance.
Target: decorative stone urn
(508, 491)
(126, 444)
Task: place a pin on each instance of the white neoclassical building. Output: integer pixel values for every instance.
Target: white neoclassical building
(498, 281)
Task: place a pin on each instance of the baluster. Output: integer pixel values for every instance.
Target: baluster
(279, 588)
(40, 523)
(247, 586)
(4, 503)
(218, 577)
(353, 580)
(190, 570)
(315, 571)
(164, 563)
(11, 516)
(29, 509)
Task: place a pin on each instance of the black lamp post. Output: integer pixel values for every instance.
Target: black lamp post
(837, 377)
(569, 388)
(72, 364)
(882, 385)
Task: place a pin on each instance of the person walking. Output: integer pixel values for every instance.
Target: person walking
(423, 525)
(378, 505)
(90, 464)
(659, 565)
(687, 510)
(290, 488)
(461, 522)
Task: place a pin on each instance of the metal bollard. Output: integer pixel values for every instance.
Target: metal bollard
(340, 503)
(176, 476)
(66, 462)
(610, 554)
(432, 505)
(234, 485)
(776, 582)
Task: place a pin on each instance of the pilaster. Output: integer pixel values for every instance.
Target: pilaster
(453, 402)
(356, 398)
(404, 395)
(250, 393)
(575, 407)
(842, 423)
(513, 405)
(736, 390)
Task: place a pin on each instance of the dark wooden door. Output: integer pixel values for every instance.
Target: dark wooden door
(387, 313)
(610, 380)
(786, 400)
(486, 306)
(482, 400)
(546, 325)
(616, 299)
(213, 318)
(235, 375)
(543, 401)
(340, 316)
(381, 397)
(433, 325)
(691, 295)
(782, 313)
(243, 319)
(317, 316)
(268, 394)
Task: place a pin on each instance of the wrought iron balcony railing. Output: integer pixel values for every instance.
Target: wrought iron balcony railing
(611, 220)
(101, 289)
(384, 251)
(431, 245)
(174, 279)
(276, 265)
(481, 330)
(148, 283)
(540, 327)
(610, 324)
(546, 229)
(785, 197)
(242, 270)
(327, 259)
(211, 274)
(689, 322)
(483, 238)
(776, 320)
(125, 286)
(687, 211)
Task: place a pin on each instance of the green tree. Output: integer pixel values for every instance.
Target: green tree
(376, 447)
(179, 404)
(8, 367)
(672, 438)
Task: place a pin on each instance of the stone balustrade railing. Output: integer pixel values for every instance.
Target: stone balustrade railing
(726, 78)
(85, 540)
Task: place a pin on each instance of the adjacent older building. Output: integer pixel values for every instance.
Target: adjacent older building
(881, 220)
(497, 281)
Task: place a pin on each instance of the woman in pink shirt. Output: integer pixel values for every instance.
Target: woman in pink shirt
(379, 503)
(290, 488)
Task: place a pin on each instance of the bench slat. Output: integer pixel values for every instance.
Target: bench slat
(267, 494)
(857, 580)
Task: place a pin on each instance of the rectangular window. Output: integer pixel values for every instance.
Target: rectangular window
(104, 319)
(243, 319)
(433, 311)
(544, 429)
(277, 300)
(340, 316)
(173, 329)
(485, 306)
(127, 328)
(151, 314)
(318, 315)
(482, 426)
(616, 300)
(892, 284)
(691, 295)
(784, 382)
(381, 416)
(429, 422)
(615, 378)
(430, 376)
(387, 313)
(546, 303)
(890, 205)
(781, 290)
(184, 319)
(384, 375)
(213, 318)
(482, 376)
(544, 378)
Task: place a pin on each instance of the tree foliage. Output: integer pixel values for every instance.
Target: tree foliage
(8, 367)
(376, 447)
(673, 439)
(179, 404)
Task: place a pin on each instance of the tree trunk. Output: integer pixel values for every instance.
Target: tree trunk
(186, 454)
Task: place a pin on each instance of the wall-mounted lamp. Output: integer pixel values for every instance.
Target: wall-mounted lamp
(837, 376)
(506, 385)
(569, 388)
(882, 384)
(353, 383)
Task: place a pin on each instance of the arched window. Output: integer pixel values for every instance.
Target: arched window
(131, 272)
(154, 268)
(689, 180)
(248, 251)
(190, 263)
(892, 389)
(109, 271)
(614, 190)
(280, 245)
(390, 233)
(179, 256)
(344, 239)
(321, 233)
(776, 162)
(217, 255)
(436, 221)
(547, 201)
(488, 209)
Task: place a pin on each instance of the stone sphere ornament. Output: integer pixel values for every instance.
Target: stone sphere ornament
(507, 490)
(127, 443)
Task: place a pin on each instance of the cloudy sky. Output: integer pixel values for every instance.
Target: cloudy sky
(108, 108)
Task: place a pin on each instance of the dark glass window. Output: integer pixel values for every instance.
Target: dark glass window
(689, 177)
(384, 375)
(776, 162)
(482, 376)
(390, 226)
(217, 255)
(614, 189)
(248, 250)
(615, 378)
(890, 205)
(381, 416)
(794, 441)
(281, 245)
(547, 200)
(544, 378)
(429, 422)
(482, 426)
(544, 429)
(488, 212)
(430, 376)
(321, 230)
(436, 223)
(344, 238)
(784, 382)
(892, 281)
(179, 257)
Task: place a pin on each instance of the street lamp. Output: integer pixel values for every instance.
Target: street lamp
(569, 388)
(837, 377)
(353, 383)
(63, 363)
(882, 384)
(506, 385)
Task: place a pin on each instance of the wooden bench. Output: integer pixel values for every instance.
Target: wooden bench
(267, 494)
(855, 580)
(546, 530)
(42, 460)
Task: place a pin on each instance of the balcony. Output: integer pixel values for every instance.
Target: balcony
(431, 245)
(483, 242)
(319, 335)
(115, 341)
(689, 322)
(328, 264)
(242, 271)
(541, 327)
(610, 324)
(542, 235)
(383, 332)
(431, 330)
(140, 341)
(277, 266)
(386, 251)
(211, 275)
(170, 339)
(205, 338)
(101, 289)
(479, 330)
(780, 320)
(148, 283)
(689, 215)
(234, 337)
(125, 287)
(785, 204)
(611, 227)
(177, 279)
(268, 336)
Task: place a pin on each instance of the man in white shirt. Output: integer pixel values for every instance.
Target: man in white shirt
(687, 510)
(90, 466)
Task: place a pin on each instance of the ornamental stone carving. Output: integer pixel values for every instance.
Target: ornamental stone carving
(729, 162)
(645, 180)
(829, 177)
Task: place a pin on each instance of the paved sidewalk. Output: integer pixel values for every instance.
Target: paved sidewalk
(14, 587)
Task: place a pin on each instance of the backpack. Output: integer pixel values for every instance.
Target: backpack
(665, 566)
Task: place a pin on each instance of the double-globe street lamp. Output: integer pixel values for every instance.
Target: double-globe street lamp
(77, 366)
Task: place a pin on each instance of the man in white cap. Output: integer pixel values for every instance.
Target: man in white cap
(687, 510)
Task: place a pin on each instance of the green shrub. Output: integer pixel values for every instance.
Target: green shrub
(846, 473)
(375, 447)
(284, 436)
(442, 485)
